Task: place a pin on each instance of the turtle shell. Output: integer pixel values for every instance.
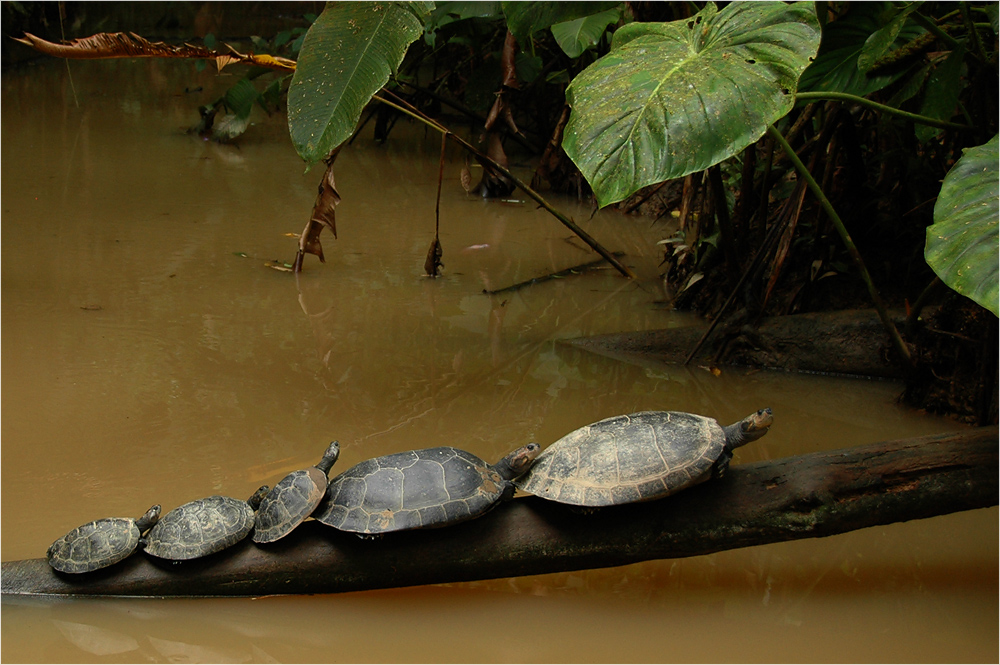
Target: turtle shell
(417, 489)
(99, 544)
(288, 504)
(200, 528)
(293, 499)
(626, 459)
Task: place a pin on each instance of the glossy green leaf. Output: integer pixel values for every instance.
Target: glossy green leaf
(576, 36)
(674, 98)
(836, 67)
(347, 56)
(962, 244)
(526, 18)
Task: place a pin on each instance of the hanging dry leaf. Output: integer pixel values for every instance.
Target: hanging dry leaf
(119, 45)
(555, 167)
(466, 178)
(493, 184)
(433, 261)
(323, 216)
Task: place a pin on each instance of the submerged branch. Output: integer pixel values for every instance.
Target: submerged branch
(559, 274)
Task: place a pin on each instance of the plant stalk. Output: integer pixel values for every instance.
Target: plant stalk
(854, 99)
(817, 191)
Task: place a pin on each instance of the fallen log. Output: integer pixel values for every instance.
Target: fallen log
(808, 496)
(851, 342)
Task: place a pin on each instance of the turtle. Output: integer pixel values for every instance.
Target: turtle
(638, 457)
(100, 543)
(202, 527)
(293, 499)
(419, 489)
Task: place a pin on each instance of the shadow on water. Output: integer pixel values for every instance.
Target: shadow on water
(150, 356)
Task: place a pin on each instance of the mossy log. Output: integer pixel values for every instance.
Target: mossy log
(807, 496)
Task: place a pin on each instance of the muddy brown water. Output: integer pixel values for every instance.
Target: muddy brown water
(146, 360)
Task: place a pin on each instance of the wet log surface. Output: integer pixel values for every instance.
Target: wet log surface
(808, 496)
(851, 342)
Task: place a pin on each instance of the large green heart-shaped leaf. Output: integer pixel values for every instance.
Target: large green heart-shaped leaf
(347, 56)
(962, 244)
(674, 98)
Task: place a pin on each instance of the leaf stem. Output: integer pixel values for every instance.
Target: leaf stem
(859, 263)
(566, 221)
(854, 99)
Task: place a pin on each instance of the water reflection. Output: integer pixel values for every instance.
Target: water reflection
(149, 356)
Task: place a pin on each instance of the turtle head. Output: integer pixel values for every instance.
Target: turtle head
(329, 458)
(147, 521)
(517, 462)
(749, 429)
(258, 496)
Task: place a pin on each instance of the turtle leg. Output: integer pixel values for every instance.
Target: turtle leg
(722, 464)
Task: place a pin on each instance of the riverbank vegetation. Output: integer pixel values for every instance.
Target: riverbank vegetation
(808, 156)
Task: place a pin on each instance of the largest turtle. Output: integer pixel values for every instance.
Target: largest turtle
(638, 457)
(420, 489)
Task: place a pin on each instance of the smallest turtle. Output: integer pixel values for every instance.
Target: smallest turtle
(100, 544)
(203, 527)
(293, 499)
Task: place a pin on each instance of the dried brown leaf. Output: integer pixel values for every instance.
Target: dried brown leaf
(119, 45)
(432, 263)
(323, 217)
(494, 184)
(466, 179)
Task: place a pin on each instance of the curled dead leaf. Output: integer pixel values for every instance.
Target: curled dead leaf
(432, 263)
(119, 45)
(323, 217)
